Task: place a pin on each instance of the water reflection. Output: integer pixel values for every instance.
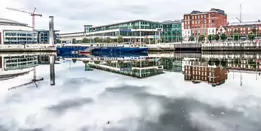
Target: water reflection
(108, 89)
(209, 67)
(198, 71)
(15, 65)
(139, 68)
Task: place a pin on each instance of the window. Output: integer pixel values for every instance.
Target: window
(198, 21)
(212, 21)
(205, 16)
(203, 32)
(193, 22)
(201, 16)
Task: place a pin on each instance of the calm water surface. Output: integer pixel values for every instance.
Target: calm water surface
(148, 93)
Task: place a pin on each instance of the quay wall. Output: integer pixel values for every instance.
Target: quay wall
(232, 46)
(178, 46)
(28, 48)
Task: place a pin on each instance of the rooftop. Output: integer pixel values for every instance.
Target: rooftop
(244, 23)
(71, 33)
(124, 23)
(10, 22)
(211, 10)
(171, 22)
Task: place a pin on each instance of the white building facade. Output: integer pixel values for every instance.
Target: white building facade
(13, 32)
(69, 38)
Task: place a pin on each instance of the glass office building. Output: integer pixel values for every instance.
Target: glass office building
(43, 36)
(13, 32)
(172, 31)
(131, 31)
(138, 30)
(19, 37)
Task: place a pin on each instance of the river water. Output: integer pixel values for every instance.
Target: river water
(155, 92)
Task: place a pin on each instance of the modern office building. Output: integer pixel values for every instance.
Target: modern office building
(172, 31)
(136, 31)
(13, 32)
(199, 23)
(43, 36)
(70, 38)
(214, 75)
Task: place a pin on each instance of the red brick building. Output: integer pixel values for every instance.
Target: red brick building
(204, 23)
(244, 28)
(213, 75)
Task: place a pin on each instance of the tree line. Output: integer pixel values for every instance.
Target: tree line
(236, 36)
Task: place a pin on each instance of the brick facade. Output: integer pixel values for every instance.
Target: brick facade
(244, 28)
(212, 75)
(204, 23)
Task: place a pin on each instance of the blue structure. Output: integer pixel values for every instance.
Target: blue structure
(70, 49)
(120, 50)
(73, 48)
(112, 51)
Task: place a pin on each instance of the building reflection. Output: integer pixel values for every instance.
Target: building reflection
(12, 65)
(242, 61)
(139, 68)
(197, 71)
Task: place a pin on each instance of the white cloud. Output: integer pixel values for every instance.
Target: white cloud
(71, 15)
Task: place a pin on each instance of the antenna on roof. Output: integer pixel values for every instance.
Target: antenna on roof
(240, 13)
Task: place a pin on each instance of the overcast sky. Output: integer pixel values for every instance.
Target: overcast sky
(71, 15)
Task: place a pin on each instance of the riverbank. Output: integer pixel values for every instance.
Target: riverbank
(28, 48)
